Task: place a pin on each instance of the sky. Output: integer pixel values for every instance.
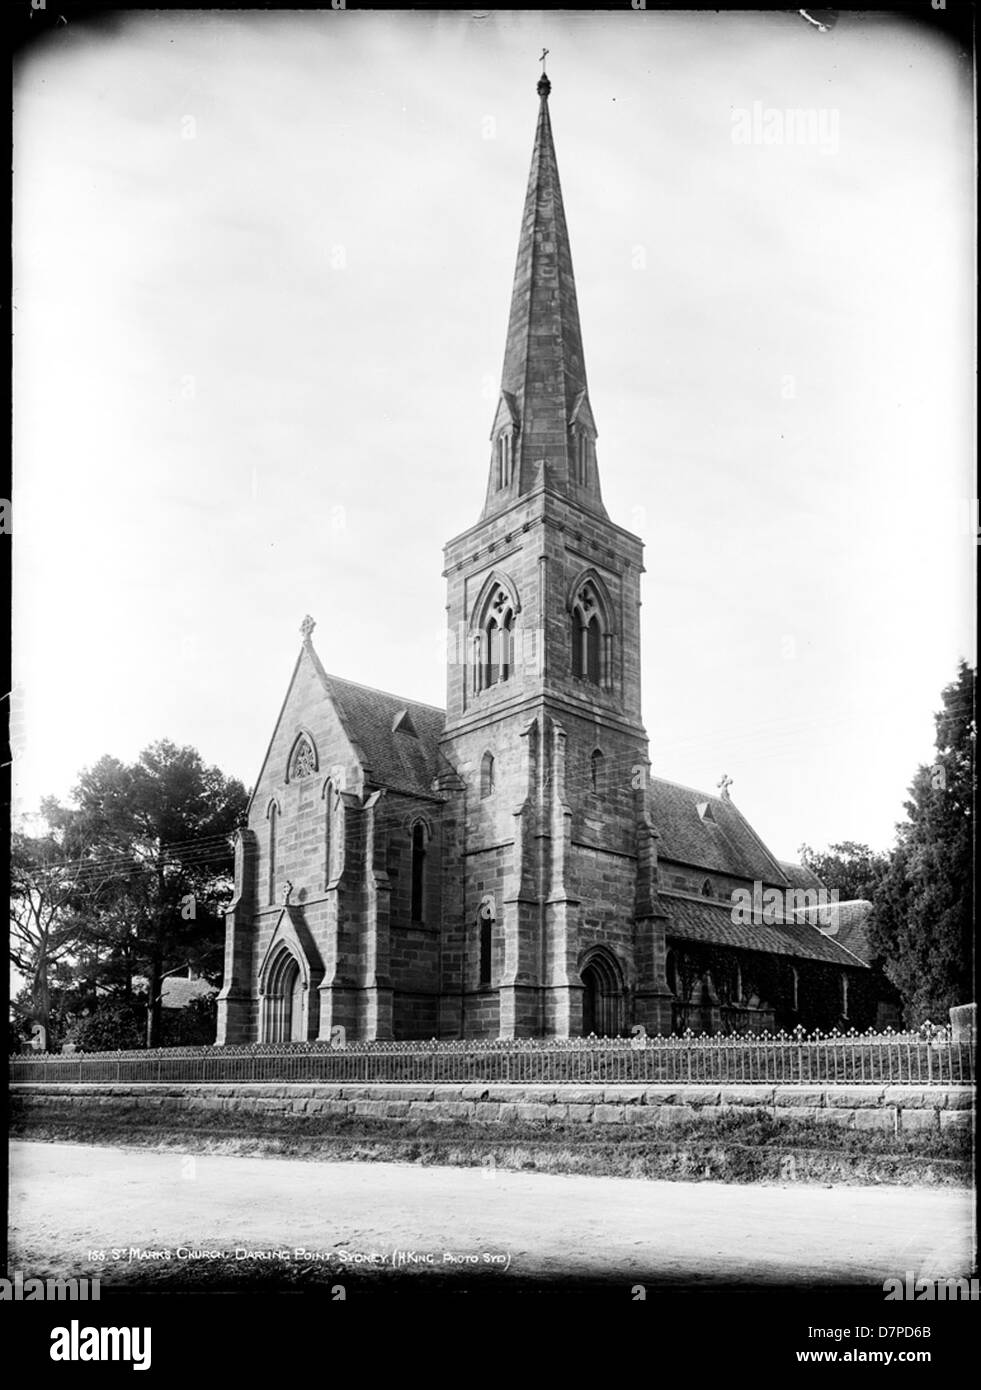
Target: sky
(262, 271)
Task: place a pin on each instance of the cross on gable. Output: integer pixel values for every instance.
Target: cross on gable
(307, 627)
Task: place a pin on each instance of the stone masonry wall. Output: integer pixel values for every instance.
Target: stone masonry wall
(897, 1108)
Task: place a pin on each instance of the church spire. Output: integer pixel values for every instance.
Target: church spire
(543, 430)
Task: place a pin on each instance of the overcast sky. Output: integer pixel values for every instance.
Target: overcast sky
(262, 275)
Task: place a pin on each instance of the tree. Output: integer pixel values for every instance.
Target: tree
(114, 1024)
(194, 1025)
(922, 923)
(52, 881)
(162, 827)
(853, 870)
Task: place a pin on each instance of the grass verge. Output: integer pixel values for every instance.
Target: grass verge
(735, 1146)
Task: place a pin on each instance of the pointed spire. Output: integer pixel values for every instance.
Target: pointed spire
(543, 412)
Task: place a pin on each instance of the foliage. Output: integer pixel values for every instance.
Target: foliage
(155, 872)
(193, 1026)
(922, 924)
(15, 1036)
(114, 1023)
(53, 884)
(853, 870)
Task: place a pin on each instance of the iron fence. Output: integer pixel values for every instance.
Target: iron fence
(928, 1056)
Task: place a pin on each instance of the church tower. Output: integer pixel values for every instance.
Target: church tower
(551, 922)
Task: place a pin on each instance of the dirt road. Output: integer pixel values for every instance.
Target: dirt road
(70, 1200)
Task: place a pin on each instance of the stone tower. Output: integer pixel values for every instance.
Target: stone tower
(551, 923)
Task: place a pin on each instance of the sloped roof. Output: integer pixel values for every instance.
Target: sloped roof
(799, 875)
(694, 919)
(723, 841)
(401, 759)
(176, 992)
(848, 924)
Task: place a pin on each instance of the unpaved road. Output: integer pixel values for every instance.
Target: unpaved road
(69, 1199)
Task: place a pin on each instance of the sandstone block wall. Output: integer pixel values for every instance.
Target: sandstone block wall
(895, 1108)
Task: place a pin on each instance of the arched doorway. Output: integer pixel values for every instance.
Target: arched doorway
(602, 1000)
(284, 1002)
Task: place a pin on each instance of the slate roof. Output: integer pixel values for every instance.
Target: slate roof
(176, 992)
(726, 843)
(397, 759)
(698, 919)
(848, 924)
(799, 875)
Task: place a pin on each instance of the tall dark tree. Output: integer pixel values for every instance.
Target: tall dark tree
(851, 869)
(924, 910)
(52, 879)
(162, 827)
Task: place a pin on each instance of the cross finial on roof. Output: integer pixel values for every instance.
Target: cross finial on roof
(725, 782)
(307, 627)
(544, 86)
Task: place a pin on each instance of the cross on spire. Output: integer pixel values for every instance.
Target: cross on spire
(544, 86)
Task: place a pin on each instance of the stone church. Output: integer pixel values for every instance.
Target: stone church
(508, 867)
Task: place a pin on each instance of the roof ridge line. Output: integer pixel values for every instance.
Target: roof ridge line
(687, 787)
(389, 694)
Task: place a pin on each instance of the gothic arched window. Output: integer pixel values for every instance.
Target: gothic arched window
(485, 918)
(328, 799)
(707, 889)
(590, 637)
(596, 766)
(303, 763)
(580, 455)
(273, 814)
(504, 458)
(418, 871)
(487, 774)
(493, 659)
(671, 971)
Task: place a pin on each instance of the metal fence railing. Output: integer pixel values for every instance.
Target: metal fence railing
(927, 1056)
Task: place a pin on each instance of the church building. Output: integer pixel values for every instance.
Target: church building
(508, 867)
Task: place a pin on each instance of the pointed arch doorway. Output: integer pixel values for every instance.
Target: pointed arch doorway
(603, 1003)
(284, 1002)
